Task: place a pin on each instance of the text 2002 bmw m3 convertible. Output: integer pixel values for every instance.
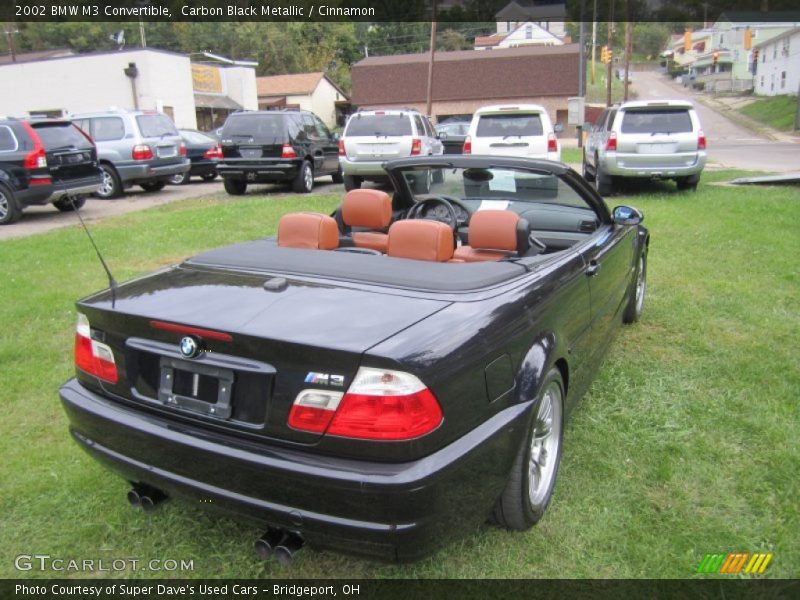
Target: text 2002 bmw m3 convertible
(373, 381)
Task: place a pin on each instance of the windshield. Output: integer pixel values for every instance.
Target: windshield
(378, 125)
(657, 121)
(493, 187)
(62, 135)
(156, 125)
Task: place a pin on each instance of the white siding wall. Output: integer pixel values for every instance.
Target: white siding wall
(773, 61)
(240, 83)
(90, 83)
(324, 101)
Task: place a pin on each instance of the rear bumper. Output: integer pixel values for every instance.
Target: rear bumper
(633, 165)
(203, 167)
(389, 511)
(263, 171)
(42, 194)
(138, 173)
(363, 168)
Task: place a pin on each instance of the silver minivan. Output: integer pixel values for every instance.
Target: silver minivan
(140, 147)
(372, 137)
(645, 139)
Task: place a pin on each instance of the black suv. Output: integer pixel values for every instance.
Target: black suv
(277, 146)
(45, 161)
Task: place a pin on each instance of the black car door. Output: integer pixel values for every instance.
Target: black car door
(315, 144)
(608, 261)
(330, 148)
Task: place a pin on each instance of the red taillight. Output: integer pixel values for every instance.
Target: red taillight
(142, 152)
(467, 149)
(92, 356)
(288, 151)
(36, 158)
(611, 143)
(701, 140)
(552, 143)
(342, 151)
(380, 405)
(215, 152)
(182, 149)
(416, 147)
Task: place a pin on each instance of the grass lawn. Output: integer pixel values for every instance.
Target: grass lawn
(686, 444)
(777, 112)
(597, 93)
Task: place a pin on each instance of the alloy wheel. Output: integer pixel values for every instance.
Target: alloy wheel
(545, 443)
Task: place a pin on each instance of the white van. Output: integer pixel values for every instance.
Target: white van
(523, 130)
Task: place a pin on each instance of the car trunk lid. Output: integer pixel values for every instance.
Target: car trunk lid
(511, 134)
(159, 132)
(70, 154)
(657, 137)
(378, 136)
(259, 348)
(251, 136)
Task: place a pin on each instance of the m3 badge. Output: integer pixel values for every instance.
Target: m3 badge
(325, 379)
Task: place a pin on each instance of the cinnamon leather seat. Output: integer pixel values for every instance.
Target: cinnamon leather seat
(368, 209)
(310, 230)
(421, 240)
(494, 235)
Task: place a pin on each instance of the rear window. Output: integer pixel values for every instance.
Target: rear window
(195, 137)
(665, 120)
(255, 126)
(62, 135)
(509, 125)
(379, 125)
(156, 125)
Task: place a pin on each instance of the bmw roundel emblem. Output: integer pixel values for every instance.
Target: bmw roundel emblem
(189, 347)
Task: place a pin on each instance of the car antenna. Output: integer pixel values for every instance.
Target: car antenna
(112, 283)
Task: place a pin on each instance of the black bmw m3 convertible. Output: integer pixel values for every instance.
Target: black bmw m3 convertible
(374, 381)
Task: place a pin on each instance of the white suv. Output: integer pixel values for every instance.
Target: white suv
(371, 137)
(523, 130)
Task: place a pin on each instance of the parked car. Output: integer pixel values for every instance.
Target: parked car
(645, 139)
(375, 403)
(291, 146)
(452, 134)
(204, 153)
(41, 162)
(371, 137)
(523, 130)
(135, 147)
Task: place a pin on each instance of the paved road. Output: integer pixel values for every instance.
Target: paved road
(729, 144)
(38, 219)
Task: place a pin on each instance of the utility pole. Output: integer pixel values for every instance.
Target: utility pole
(797, 114)
(429, 103)
(594, 38)
(582, 57)
(628, 45)
(12, 47)
(142, 36)
(610, 63)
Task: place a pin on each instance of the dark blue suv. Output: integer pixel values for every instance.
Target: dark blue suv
(41, 162)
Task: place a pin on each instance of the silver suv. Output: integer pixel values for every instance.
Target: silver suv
(371, 137)
(140, 147)
(648, 139)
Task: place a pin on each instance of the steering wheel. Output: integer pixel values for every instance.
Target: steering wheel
(416, 210)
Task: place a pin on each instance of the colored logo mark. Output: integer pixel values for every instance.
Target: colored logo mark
(735, 562)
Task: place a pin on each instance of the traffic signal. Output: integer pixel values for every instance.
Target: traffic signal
(606, 54)
(714, 59)
(755, 61)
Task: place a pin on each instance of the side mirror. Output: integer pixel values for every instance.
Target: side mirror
(558, 128)
(627, 215)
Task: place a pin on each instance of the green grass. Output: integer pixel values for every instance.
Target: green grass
(685, 444)
(778, 111)
(571, 155)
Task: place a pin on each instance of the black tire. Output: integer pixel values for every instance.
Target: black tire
(112, 185)
(603, 182)
(304, 181)
(635, 306)
(235, 187)
(180, 179)
(209, 177)
(587, 173)
(10, 210)
(337, 177)
(153, 186)
(521, 506)
(66, 205)
(688, 183)
(351, 182)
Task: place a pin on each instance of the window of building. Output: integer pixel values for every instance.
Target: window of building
(783, 79)
(529, 32)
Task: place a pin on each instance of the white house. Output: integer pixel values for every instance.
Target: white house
(522, 34)
(308, 91)
(778, 68)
